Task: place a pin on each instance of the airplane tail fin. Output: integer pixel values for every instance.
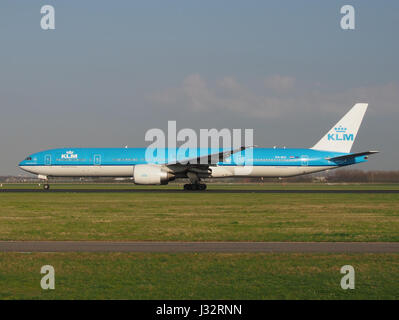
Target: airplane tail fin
(341, 136)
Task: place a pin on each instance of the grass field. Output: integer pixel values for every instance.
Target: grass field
(198, 276)
(200, 217)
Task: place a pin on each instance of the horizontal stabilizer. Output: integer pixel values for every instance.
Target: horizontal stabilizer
(351, 156)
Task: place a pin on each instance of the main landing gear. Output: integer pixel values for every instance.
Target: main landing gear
(46, 186)
(195, 186)
(195, 182)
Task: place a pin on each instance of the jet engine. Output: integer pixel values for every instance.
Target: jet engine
(151, 174)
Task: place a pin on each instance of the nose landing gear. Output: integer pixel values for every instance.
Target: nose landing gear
(45, 180)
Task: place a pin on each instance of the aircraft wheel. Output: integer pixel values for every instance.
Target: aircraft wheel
(46, 186)
(200, 186)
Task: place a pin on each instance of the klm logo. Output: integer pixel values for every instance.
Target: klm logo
(69, 155)
(340, 135)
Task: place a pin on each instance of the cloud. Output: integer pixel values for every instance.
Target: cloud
(279, 83)
(276, 96)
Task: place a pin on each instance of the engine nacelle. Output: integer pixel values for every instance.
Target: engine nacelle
(151, 174)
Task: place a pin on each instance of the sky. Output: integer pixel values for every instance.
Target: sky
(112, 70)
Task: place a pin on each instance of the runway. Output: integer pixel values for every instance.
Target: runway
(192, 247)
(160, 190)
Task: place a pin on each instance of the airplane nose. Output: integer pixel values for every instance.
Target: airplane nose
(21, 164)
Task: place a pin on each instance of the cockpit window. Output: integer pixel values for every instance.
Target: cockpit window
(28, 158)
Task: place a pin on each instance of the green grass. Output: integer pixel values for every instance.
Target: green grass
(198, 276)
(199, 216)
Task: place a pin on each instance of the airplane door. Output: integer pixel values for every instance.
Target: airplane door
(97, 159)
(304, 160)
(47, 159)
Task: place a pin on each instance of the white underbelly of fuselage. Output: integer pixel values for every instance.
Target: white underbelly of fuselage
(81, 171)
(264, 171)
(217, 172)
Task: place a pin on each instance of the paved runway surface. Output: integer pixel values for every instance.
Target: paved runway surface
(175, 247)
(182, 191)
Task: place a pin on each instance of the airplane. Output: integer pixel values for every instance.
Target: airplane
(331, 152)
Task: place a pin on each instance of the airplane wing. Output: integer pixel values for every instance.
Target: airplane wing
(351, 156)
(211, 158)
